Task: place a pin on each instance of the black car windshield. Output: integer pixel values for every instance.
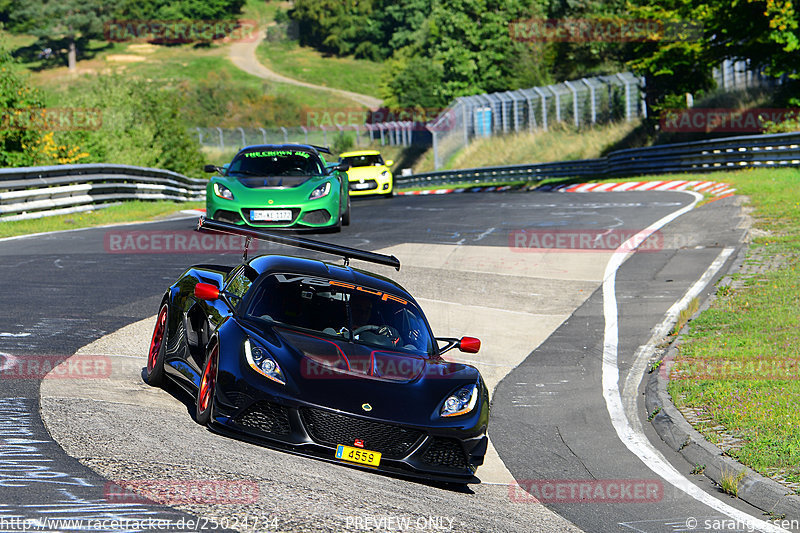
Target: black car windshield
(276, 163)
(342, 310)
(363, 160)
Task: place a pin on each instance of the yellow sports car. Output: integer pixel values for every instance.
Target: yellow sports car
(368, 173)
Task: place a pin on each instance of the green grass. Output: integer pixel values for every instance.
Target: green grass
(738, 366)
(559, 143)
(309, 65)
(134, 211)
(170, 65)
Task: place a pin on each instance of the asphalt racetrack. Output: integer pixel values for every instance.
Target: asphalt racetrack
(561, 330)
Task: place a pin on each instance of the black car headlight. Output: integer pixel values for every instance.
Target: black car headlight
(222, 191)
(461, 402)
(321, 191)
(262, 362)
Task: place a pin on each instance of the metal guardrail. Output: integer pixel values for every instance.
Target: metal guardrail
(732, 153)
(34, 192)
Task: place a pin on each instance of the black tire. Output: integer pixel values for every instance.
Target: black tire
(346, 215)
(154, 373)
(208, 382)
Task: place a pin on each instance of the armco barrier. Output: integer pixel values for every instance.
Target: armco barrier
(732, 153)
(34, 192)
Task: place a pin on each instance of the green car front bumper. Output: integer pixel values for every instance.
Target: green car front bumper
(276, 208)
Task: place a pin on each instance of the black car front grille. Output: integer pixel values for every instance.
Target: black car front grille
(227, 216)
(334, 428)
(267, 417)
(445, 452)
(318, 216)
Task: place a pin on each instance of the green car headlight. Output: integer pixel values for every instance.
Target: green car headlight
(222, 191)
(321, 191)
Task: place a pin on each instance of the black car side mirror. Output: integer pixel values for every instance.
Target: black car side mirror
(212, 168)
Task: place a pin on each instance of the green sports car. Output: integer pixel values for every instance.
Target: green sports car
(279, 186)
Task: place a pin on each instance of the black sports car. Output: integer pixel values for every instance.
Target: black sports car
(321, 359)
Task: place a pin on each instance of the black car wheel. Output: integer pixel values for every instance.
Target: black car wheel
(208, 383)
(154, 374)
(346, 215)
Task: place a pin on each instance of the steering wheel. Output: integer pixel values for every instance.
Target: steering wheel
(294, 171)
(382, 331)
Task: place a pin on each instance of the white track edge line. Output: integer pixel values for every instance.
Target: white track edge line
(637, 443)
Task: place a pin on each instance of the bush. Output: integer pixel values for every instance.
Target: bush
(142, 125)
(216, 101)
(17, 101)
(342, 142)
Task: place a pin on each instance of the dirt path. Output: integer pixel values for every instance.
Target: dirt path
(243, 55)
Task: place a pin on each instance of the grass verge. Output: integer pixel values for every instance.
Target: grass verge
(134, 211)
(310, 65)
(559, 143)
(738, 367)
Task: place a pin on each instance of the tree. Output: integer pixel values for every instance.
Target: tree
(168, 10)
(69, 23)
(470, 39)
(764, 31)
(19, 103)
(341, 27)
(142, 125)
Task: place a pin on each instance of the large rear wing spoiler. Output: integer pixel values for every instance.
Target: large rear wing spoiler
(345, 252)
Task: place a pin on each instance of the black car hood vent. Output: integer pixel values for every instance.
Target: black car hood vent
(329, 358)
(272, 182)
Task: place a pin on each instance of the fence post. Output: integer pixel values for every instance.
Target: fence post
(592, 100)
(285, 135)
(627, 97)
(221, 140)
(531, 115)
(574, 103)
(199, 136)
(436, 161)
(558, 102)
(358, 133)
(544, 106)
(644, 96)
(263, 135)
(244, 140)
(465, 121)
